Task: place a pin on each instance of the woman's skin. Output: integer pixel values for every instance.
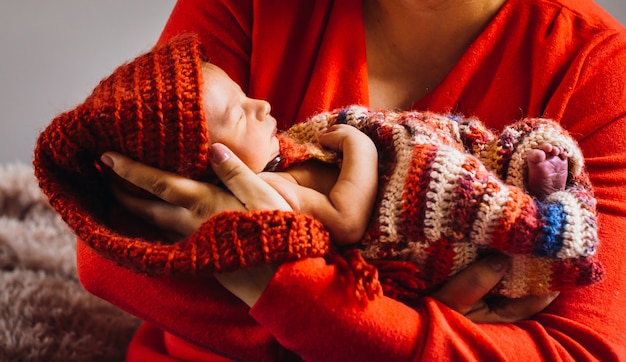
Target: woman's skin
(189, 203)
(411, 46)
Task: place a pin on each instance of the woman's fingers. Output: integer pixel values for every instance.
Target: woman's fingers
(464, 291)
(511, 310)
(187, 203)
(170, 187)
(247, 186)
(161, 214)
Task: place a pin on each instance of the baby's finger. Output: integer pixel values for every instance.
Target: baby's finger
(337, 134)
(247, 186)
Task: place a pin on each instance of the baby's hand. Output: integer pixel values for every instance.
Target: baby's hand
(344, 138)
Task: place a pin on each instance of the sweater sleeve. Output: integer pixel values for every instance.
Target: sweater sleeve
(385, 329)
(306, 306)
(582, 324)
(224, 28)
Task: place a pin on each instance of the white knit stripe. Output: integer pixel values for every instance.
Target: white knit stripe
(371, 249)
(416, 252)
(390, 209)
(357, 116)
(490, 211)
(445, 171)
(578, 237)
(464, 254)
(543, 134)
(590, 232)
(310, 130)
(455, 130)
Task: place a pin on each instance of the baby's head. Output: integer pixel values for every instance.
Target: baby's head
(164, 108)
(243, 124)
(150, 109)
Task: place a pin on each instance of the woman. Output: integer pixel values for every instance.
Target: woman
(497, 60)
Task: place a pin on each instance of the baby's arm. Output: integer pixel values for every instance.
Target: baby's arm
(342, 203)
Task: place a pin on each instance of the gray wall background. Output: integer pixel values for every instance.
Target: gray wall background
(53, 52)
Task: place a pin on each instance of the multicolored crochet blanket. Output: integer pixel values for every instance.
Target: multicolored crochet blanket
(440, 206)
(450, 191)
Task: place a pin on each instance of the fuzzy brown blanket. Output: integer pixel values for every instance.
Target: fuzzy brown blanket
(45, 314)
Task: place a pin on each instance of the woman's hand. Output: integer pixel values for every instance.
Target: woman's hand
(466, 292)
(188, 203)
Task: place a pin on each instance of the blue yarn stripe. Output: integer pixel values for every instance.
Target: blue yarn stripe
(550, 239)
(454, 117)
(342, 117)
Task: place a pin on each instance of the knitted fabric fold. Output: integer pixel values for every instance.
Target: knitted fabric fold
(442, 202)
(151, 110)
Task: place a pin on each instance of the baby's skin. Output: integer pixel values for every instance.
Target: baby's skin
(547, 170)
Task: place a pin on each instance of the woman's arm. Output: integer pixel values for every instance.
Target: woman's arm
(576, 327)
(582, 324)
(225, 29)
(463, 293)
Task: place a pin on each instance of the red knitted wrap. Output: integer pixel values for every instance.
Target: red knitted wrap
(151, 110)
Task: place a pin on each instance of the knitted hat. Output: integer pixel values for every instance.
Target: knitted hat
(151, 110)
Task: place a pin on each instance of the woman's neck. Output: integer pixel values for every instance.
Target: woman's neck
(412, 44)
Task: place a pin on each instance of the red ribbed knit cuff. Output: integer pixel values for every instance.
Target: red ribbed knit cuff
(226, 242)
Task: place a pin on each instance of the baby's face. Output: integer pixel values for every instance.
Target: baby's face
(241, 123)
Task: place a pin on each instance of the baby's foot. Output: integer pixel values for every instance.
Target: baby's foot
(547, 170)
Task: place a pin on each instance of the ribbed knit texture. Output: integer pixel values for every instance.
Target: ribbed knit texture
(439, 208)
(442, 203)
(151, 110)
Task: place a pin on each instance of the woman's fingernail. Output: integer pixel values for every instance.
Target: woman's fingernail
(219, 153)
(498, 262)
(107, 160)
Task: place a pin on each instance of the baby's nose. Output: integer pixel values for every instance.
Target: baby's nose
(261, 109)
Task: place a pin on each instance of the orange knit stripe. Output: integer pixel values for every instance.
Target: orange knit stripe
(511, 211)
(211, 239)
(138, 118)
(415, 186)
(119, 78)
(200, 133)
(178, 91)
(158, 110)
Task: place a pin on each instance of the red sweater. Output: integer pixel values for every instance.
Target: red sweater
(553, 58)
